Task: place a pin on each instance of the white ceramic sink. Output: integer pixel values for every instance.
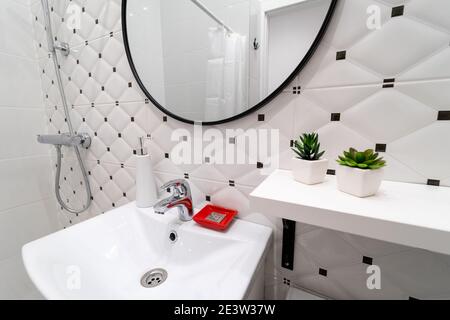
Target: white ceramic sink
(106, 257)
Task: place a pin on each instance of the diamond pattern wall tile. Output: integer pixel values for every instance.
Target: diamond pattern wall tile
(434, 67)
(328, 249)
(333, 73)
(398, 171)
(435, 94)
(420, 273)
(405, 150)
(436, 14)
(339, 99)
(308, 116)
(336, 137)
(394, 47)
(386, 109)
(352, 24)
(354, 280)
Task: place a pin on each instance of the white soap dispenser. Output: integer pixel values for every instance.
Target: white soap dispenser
(146, 191)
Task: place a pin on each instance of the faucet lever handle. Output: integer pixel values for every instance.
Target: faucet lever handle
(180, 187)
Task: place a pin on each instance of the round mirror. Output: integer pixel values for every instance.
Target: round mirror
(213, 61)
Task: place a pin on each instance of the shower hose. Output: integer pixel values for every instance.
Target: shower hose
(52, 48)
(58, 179)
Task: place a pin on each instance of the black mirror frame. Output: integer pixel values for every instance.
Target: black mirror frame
(261, 104)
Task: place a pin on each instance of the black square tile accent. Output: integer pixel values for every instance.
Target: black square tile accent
(397, 11)
(331, 172)
(389, 83)
(286, 281)
(166, 155)
(335, 117)
(261, 117)
(124, 194)
(119, 135)
(232, 183)
(165, 119)
(132, 119)
(367, 260)
(432, 182)
(297, 90)
(110, 177)
(444, 116)
(232, 140)
(323, 272)
(341, 55)
(291, 143)
(130, 85)
(108, 149)
(99, 55)
(259, 165)
(208, 198)
(186, 176)
(380, 147)
(207, 159)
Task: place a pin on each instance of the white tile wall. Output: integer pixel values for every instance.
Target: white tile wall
(27, 208)
(413, 49)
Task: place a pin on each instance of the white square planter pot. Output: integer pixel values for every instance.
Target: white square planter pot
(309, 172)
(358, 182)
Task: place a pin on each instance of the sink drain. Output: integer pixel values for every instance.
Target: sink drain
(154, 278)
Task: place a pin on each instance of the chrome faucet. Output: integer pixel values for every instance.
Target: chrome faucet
(180, 199)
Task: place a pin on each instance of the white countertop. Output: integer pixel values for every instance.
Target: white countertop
(409, 214)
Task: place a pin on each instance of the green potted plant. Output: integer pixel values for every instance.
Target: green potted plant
(308, 166)
(360, 173)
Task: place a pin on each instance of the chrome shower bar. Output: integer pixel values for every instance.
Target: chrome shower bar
(212, 15)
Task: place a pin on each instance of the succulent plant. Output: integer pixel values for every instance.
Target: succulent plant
(367, 160)
(307, 147)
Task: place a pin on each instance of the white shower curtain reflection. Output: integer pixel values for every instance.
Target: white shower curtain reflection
(226, 87)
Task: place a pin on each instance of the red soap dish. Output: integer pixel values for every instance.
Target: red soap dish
(215, 217)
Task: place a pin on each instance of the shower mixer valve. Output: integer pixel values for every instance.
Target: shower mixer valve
(66, 139)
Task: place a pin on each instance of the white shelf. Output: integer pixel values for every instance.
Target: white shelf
(409, 214)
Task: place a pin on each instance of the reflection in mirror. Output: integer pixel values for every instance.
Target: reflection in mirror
(212, 60)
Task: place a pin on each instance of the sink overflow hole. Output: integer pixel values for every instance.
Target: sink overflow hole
(173, 236)
(154, 278)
